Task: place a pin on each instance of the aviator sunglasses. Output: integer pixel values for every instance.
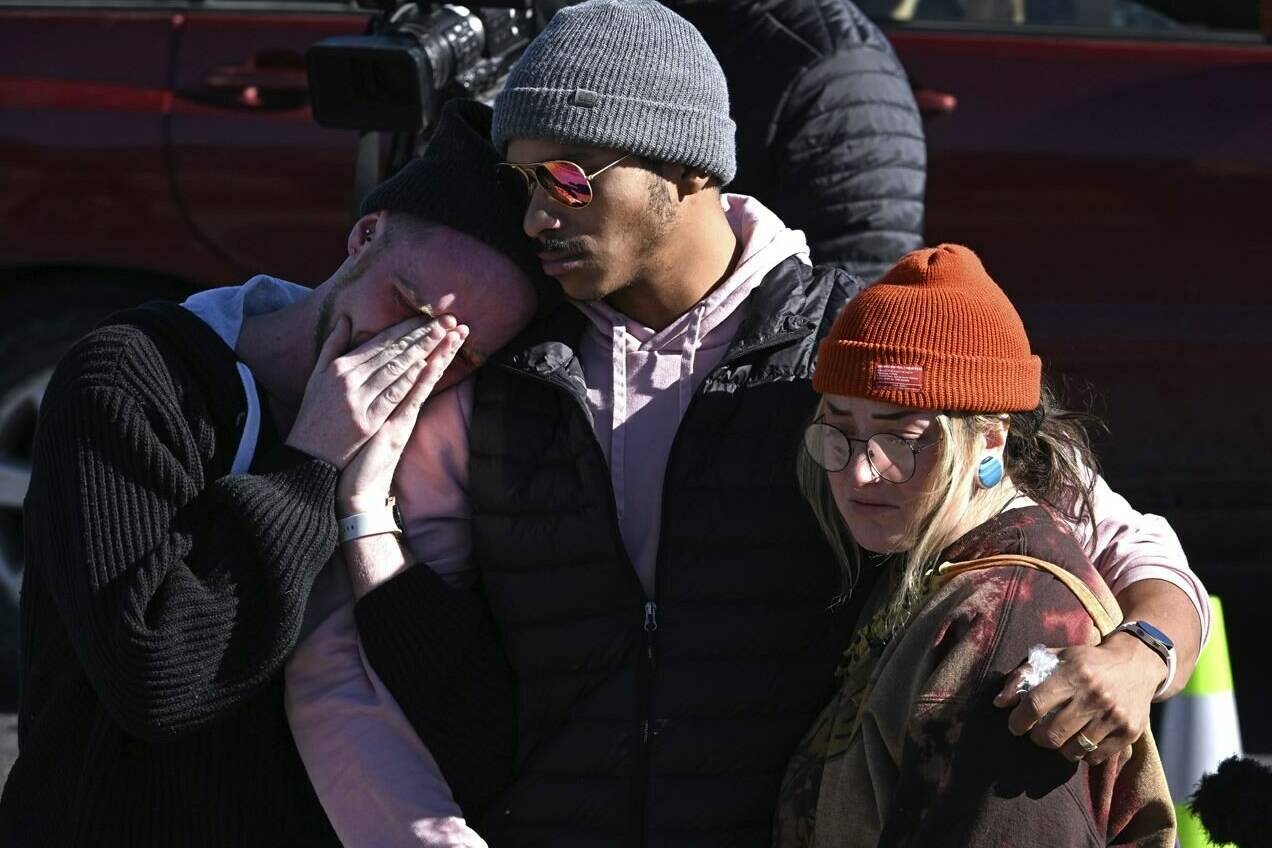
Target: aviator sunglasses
(564, 181)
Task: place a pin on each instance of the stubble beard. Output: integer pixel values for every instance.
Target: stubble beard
(659, 221)
(660, 214)
(326, 310)
(325, 322)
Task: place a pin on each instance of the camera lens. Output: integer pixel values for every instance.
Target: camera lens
(452, 38)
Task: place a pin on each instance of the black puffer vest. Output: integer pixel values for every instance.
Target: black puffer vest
(664, 721)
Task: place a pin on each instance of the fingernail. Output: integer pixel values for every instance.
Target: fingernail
(437, 331)
(462, 329)
(448, 321)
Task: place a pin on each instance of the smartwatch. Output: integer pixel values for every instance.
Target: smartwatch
(385, 519)
(1158, 642)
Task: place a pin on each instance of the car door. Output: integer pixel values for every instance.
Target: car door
(259, 179)
(82, 100)
(1113, 167)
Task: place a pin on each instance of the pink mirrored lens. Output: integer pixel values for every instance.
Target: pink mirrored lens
(566, 182)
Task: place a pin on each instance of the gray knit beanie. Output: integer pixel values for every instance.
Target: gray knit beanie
(627, 74)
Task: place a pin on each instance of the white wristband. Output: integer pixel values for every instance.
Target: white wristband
(385, 519)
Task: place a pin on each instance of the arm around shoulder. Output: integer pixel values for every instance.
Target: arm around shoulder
(1141, 559)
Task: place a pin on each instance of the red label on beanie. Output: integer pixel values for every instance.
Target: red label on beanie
(906, 378)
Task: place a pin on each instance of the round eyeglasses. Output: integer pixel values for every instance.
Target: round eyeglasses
(890, 457)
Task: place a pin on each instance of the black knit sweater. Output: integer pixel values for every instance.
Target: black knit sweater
(161, 597)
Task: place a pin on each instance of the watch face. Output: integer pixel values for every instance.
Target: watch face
(1156, 634)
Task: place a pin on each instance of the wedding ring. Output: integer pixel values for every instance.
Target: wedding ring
(1087, 744)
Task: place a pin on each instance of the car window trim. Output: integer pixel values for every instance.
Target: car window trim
(334, 7)
(1182, 35)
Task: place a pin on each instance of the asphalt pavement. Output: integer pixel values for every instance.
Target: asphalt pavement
(8, 686)
(8, 743)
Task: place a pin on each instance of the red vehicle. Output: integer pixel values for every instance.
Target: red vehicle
(1111, 163)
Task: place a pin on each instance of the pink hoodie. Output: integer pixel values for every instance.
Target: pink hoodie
(640, 382)
(377, 782)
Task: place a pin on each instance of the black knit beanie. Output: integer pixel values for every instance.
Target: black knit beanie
(453, 183)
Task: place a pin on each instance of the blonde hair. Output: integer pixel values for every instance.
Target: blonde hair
(815, 487)
(950, 506)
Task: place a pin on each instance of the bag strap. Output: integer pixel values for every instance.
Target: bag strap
(1106, 617)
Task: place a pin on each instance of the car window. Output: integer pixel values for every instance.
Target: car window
(1178, 18)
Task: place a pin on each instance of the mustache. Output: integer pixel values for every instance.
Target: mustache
(550, 244)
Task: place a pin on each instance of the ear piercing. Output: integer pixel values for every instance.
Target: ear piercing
(990, 472)
(368, 233)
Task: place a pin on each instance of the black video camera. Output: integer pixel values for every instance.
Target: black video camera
(415, 57)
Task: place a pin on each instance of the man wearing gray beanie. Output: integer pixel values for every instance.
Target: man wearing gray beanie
(633, 85)
(669, 610)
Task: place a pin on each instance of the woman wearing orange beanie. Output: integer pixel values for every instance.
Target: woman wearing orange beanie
(937, 453)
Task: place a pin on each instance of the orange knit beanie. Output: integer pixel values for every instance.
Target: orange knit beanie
(934, 333)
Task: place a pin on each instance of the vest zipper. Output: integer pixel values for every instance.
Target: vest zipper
(649, 608)
(646, 682)
(645, 703)
(649, 626)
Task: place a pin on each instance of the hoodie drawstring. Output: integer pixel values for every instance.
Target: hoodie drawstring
(618, 416)
(688, 354)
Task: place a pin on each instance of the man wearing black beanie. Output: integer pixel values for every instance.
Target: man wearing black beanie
(193, 473)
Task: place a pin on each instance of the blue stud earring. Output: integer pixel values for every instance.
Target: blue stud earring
(990, 472)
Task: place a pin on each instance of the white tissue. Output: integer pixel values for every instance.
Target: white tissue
(1042, 661)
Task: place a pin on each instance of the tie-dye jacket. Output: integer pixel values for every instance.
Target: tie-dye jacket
(912, 751)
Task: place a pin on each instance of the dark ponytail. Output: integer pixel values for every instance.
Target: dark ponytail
(1049, 457)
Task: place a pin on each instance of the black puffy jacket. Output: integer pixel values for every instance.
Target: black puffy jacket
(639, 722)
(829, 136)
